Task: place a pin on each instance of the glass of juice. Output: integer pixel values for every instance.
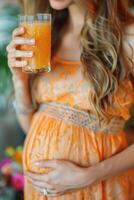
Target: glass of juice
(37, 27)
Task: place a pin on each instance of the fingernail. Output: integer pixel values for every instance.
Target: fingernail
(24, 62)
(21, 29)
(36, 164)
(32, 41)
(30, 53)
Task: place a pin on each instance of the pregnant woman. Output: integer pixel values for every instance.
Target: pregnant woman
(76, 148)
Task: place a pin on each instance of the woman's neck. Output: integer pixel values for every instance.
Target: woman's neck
(77, 16)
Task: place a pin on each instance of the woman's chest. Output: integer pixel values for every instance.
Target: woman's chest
(65, 84)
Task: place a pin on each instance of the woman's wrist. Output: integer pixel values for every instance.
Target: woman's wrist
(90, 175)
(113, 166)
(23, 103)
(20, 78)
(98, 172)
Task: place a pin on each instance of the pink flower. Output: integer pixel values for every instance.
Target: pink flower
(18, 181)
(6, 167)
(4, 162)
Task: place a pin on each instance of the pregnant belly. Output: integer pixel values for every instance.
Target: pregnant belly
(51, 138)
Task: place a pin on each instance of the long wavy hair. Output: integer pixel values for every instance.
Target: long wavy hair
(102, 46)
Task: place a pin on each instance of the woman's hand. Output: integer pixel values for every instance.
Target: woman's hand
(65, 176)
(17, 59)
(16, 56)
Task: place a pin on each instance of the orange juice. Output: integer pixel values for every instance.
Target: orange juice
(41, 32)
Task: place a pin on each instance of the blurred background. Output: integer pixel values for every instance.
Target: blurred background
(11, 135)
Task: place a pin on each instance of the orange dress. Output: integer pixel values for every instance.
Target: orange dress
(62, 129)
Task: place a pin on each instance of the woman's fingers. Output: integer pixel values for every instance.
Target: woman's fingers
(53, 194)
(20, 41)
(42, 185)
(15, 63)
(18, 31)
(14, 52)
(20, 54)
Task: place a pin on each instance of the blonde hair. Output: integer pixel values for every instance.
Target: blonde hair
(102, 54)
(102, 49)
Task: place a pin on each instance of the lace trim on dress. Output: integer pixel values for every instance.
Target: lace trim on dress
(81, 118)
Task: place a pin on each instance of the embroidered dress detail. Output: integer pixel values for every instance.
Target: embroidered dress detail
(80, 118)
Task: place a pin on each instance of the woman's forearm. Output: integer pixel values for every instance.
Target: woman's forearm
(115, 165)
(24, 102)
(25, 121)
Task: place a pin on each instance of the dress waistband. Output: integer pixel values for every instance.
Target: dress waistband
(80, 118)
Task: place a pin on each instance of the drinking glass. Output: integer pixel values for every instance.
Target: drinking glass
(38, 27)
